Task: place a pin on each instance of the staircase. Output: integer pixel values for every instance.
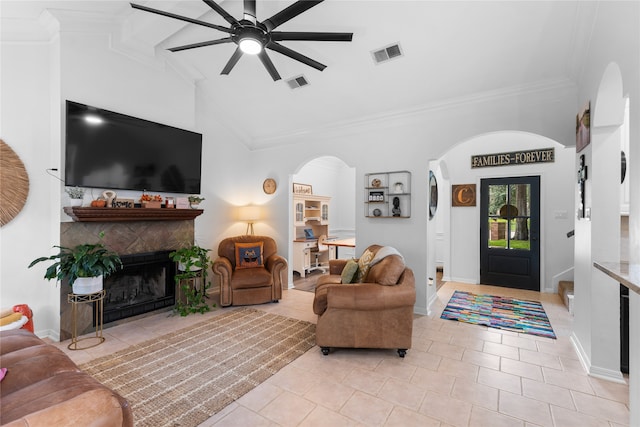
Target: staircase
(565, 290)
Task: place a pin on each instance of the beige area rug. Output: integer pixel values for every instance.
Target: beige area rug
(185, 377)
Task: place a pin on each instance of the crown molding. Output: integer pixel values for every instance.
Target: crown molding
(554, 88)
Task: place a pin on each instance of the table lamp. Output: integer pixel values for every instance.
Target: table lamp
(249, 214)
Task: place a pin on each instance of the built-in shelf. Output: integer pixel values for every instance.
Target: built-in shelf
(130, 214)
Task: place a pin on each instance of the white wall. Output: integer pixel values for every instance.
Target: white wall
(556, 199)
(30, 129)
(36, 79)
(614, 41)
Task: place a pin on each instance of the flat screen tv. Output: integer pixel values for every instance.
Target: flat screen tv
(109, 150)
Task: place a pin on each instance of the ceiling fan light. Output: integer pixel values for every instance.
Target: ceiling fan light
(250, 46)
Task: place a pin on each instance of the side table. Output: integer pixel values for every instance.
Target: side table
(97, 299)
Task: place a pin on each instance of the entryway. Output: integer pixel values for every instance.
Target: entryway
(509, 232)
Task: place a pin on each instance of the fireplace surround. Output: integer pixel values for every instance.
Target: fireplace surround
(145, 283)
(127, 238)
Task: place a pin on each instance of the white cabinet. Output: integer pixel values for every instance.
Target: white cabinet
(311, 213)
(298, 213)
(324, 213)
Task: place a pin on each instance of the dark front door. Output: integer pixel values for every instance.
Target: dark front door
(510, 231)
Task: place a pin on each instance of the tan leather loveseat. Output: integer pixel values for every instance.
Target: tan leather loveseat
(377, 313)
(254, 285)
(43, 387)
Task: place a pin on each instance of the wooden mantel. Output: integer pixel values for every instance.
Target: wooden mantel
(80, 214)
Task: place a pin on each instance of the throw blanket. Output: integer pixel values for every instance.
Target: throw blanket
(384, 252)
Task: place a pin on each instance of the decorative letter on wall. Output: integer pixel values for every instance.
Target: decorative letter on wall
(463, 195)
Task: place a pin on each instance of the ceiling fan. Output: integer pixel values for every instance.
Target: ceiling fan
(254, 37)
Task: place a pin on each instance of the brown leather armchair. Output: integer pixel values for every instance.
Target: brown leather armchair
(245, 286)
(377, 313)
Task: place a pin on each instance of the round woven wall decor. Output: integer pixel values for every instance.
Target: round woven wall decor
(14, 184)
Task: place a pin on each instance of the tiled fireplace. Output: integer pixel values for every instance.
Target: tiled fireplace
(138, 288)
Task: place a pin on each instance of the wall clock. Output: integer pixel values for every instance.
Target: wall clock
(269, 186)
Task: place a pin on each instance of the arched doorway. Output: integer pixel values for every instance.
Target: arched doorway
(327, 177)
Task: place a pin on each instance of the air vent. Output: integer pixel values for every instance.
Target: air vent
(387, 53)
(297, 82)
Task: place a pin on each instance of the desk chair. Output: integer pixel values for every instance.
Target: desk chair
(322, 248)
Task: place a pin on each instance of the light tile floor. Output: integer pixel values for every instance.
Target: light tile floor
(456, 374)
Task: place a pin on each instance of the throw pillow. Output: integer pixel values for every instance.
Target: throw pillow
(249, 255)
(349, 271)
(363, 265)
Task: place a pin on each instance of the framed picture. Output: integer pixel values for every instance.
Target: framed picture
(302, 188)
(583, 128)
(463, 195)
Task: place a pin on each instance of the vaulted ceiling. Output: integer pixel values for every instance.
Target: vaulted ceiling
(451, 50)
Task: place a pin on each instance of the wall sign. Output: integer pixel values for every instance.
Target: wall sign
(545, 155)
(463, 195)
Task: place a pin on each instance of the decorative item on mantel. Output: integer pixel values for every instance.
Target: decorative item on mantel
(76, 194)
(149, 201)
(194, 201)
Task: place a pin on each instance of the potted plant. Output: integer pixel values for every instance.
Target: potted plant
(194, 201)
(84, 266)
(193, 265)
(76, 194)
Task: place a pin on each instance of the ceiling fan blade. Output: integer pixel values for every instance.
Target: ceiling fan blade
(266, 61)
(181, 18)
(201, 44)
(321, 37)
(295, 55)
(232, 61)
(227, 17)
(250, 10)
(289, 13)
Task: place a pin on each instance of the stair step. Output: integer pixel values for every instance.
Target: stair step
(565, 290)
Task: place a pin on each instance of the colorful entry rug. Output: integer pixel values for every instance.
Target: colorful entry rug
(511, 314)
(185, 377)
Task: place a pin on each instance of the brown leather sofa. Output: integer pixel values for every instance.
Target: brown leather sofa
(246, 286)
(377, 313)
(43, 387)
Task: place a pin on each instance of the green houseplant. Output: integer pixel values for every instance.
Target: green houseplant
(194, 201)
(83, 265)
(76, 194)
(193, 265)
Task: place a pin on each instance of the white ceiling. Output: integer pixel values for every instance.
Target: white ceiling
(452, 50)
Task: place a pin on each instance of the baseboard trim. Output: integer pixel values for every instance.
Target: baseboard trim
(595, 371)
(607, 374)
(585, 361)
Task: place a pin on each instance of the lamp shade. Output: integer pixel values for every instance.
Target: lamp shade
(250, 46)
(249, 213)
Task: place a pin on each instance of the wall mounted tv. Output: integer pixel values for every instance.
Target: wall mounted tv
(109, 150)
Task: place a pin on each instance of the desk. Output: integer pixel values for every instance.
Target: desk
(302, 249)
(347, 243)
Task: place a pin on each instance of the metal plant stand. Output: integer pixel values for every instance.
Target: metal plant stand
(97, 299)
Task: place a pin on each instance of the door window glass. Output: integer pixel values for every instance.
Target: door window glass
(509, 216)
